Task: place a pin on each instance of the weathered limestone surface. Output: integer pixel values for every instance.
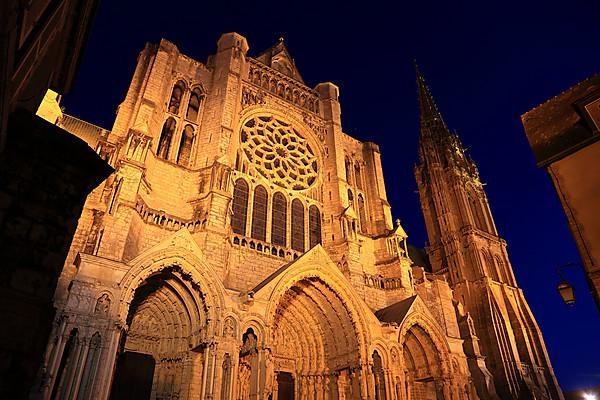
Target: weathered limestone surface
(244, 249)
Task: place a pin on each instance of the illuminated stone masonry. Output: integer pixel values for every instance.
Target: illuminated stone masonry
(244, 249)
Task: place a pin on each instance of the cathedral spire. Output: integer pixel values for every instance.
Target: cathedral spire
(431, 118)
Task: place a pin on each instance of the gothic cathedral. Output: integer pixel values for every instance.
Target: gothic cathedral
(244, 248)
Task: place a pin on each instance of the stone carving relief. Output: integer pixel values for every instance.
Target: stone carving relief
(251, 97)
(282, 86)
(102, 305)
(94, 236)
(137, 146)
(229, 327)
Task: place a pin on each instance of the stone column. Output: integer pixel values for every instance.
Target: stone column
(80, 366)
(107, 369)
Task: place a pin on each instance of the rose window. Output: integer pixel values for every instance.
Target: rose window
(279, 153)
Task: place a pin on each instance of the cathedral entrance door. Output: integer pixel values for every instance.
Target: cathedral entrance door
(133, 377)
(285, 386)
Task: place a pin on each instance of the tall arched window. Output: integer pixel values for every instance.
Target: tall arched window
(279, 220)
(259, 214)
(350, 198)
(358, 177)
(194, 105)
(240, 207)
(362, 215)
(185, 146)
(348, 172)
(176, 97)
(297, 225)
(164, 143)
(314, 226)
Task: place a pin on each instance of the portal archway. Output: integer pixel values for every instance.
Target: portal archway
(315, 344)
(167, 312)
(423, 366)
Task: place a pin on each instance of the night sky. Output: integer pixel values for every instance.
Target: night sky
(485, 64)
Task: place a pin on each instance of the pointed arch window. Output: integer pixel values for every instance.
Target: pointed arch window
(185, 146)
(350, 198)
(240, 207)
(164, 143)
(176, 97)
(362, 215)
(259, 214)
(297, 225)
(194, 105)
(314, 226)
(348, 172)
(358, 177)
(279, 220)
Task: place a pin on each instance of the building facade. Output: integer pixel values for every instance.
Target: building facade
(564, 135)
(244, 249)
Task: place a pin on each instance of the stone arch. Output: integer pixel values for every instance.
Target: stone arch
(382, 349)
(314, 306)
(257, 324)
(426, 358)
(171, 302)
(183, 261)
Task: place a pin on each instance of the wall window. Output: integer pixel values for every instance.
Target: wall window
(279, 220)
(358, 177)
(297, 225)
(259, 214)
(348, 172)
(240, 207)
(314, 226)
(164, 143)
(194, 105)
(176, 97)
(185, 146)
(362, 215)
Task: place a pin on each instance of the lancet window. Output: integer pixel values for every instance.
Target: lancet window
(185, 146)
(362, 215)
(166, 136)
(279, 220)
(297, 225)
(259, 214)
(194, 105)
(240, 207)
(314, 226)
(176, 97)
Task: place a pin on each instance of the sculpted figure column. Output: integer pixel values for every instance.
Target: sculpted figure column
(319, 387)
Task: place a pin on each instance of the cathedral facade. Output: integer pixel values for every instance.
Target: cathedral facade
(244, 249)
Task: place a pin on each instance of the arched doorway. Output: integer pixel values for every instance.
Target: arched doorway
(423, 366)
(316, 347)
(159, 358)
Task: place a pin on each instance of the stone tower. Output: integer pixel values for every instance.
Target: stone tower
(465, 247)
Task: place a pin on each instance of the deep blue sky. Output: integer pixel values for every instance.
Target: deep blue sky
(486, 65)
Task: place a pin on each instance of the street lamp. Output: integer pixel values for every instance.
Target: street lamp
(564, 288)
